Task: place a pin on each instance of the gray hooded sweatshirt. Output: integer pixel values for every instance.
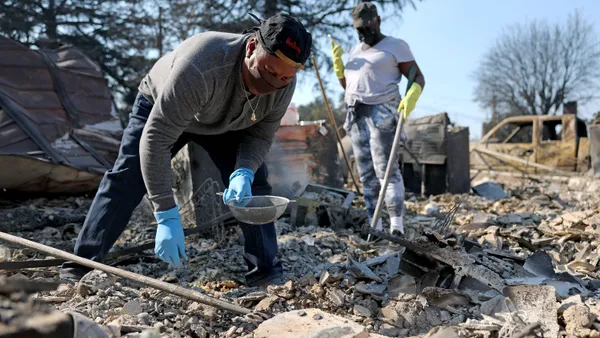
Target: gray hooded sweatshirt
(198, 88)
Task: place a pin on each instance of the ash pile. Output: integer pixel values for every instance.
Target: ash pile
(518, 262)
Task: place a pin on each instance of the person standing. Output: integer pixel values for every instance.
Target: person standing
(370, 78)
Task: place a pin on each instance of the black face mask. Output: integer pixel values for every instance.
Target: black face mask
(368, 36)
(265, 83)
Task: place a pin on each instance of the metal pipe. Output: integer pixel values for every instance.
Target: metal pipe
(114, 254)
(519, 160)
(151, 282)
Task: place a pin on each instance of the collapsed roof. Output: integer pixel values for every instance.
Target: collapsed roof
(59, 130)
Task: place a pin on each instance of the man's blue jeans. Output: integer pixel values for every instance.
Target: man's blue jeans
(122, 189)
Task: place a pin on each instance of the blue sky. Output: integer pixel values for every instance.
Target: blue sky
(450, 37)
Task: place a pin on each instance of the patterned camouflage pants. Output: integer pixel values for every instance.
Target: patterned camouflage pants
(372, 131)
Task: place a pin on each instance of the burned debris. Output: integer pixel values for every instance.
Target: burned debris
(524, 265)
(59, 129)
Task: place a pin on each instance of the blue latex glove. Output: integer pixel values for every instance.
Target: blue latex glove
(240, 186)
(169, 243)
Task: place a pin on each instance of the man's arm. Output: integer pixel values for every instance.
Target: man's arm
(405, 67)
(343, 82)
(185, 93)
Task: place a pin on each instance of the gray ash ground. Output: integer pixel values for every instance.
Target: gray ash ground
(325, 269)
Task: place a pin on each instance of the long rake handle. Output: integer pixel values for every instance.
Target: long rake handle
(151, 282)
(412, 73)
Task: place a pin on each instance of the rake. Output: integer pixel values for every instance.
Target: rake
(412, 73)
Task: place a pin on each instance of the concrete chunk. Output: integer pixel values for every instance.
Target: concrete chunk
(391, 315)
(337, 297)
(538, 304)
(492, 306)
(371, 289)
(360, 310)
(363, 272)
(402, 284)
(292, 325)
(266, 303)
(577, 317)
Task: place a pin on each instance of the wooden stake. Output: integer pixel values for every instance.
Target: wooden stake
(335, 127)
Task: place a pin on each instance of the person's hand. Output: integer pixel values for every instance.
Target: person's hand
(338, 64)
(240, 186)
(410, 100)
(169, 243)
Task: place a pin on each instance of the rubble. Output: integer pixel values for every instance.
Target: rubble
(21, 315)
(537, 304)
(527, 263)
(490, 190)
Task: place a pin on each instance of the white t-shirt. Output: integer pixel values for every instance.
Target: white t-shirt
(372, 73)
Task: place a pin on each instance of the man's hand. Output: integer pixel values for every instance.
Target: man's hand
(410, 100)
(169, 243)
(240, 186)
(338, 64)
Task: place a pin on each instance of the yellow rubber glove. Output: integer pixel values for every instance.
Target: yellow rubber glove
(410, 100)
(338, 64)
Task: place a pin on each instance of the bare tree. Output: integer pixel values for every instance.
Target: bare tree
(532, 69)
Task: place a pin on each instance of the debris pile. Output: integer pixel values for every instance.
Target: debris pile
(22, 315)
(522, 265)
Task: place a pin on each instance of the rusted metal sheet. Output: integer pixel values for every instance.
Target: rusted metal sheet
(507, 158)
(515, 135)
(550, 141)
(557, 149)
(302, 154)
(57, 117)
(594, 147)
(427, 164)
(30, 174)
(426, 139)
(584, 160)
(458, 177)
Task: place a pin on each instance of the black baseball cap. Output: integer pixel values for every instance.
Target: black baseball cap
(285, 37)
(363, 13)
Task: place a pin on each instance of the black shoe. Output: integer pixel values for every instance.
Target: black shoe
(397, 233)
(274, 276)
(71, 273)
(265, 281)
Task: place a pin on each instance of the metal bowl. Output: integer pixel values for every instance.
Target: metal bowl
(258, 209)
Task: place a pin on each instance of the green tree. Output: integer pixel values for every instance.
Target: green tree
(126, 37)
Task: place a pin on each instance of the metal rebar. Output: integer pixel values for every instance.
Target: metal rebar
(442, 225)
(41, 263)
(151, 282)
